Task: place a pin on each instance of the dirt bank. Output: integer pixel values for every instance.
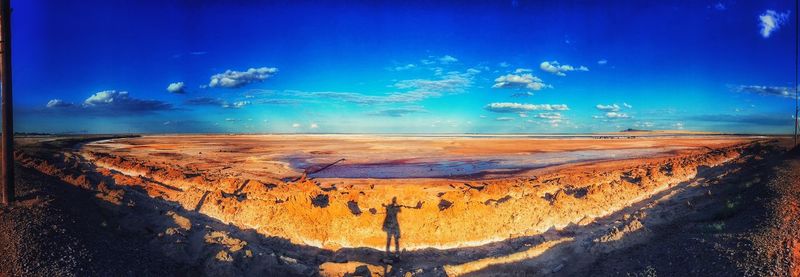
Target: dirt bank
(434, 214)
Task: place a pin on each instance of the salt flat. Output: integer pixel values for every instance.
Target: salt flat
(393, 156)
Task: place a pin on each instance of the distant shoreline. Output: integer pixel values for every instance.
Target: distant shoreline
(631, 134)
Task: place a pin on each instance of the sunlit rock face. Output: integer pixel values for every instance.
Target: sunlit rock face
(209, 177)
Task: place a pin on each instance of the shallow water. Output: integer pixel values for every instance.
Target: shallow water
(466, 166)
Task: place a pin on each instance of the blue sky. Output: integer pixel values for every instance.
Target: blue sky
(101, 66)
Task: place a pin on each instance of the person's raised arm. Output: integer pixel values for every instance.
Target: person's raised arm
(418, 206)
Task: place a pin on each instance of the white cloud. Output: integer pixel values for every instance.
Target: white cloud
(504, 119)
(111, 103)
(58, 103)
(612, 111)
(615, 115)
(609, 108)
(602, 62)
(772, 21)
(177, 87)
(313, 126)
(559, 69)
(522, 70)
(524, 81)
(237, 79)
(295, 125)
(506, 107)
(551, 118)
(504, 64)
(447, 59)
(105, 97)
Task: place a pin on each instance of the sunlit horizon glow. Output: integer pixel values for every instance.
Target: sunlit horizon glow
(475, 67)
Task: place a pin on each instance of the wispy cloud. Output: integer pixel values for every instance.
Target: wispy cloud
(277, 101)
(559, 69)
(453, 82)
(398, 112)
(405, 67)
(235, 105)
(365, 99)
(771, 21)
(409, 91)
(237, 79)
(204, 101)
(549, 115)
(507, 107)
(444, 60)
(447, 59)
(786, 92)
(194, 53)
(614, 115)
(504, 119)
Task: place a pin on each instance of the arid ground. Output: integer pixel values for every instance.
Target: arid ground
(340, 205)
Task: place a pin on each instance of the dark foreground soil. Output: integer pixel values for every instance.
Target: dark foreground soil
(751, 228)
(56, 229)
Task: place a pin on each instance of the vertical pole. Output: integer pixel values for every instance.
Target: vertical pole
(5, 89)
(796, 72)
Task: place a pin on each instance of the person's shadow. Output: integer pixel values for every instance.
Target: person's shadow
(392, 227)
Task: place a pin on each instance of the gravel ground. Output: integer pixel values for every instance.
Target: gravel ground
(56, 229)
(750, 228)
